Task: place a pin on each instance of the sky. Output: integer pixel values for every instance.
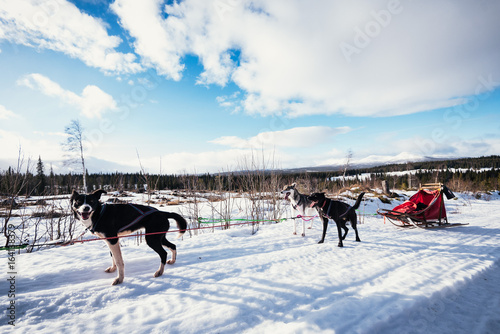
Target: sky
(200, 86)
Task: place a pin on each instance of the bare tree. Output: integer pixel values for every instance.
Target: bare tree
(146, 179)
(74, 146)
(346, 166)
(260, 182)
(14, 183)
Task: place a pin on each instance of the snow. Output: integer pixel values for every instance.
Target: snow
(394, 281)
(367, 176)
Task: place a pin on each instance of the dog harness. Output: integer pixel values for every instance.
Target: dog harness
(142, 214)
(92, 228)
(298, 203)
(328, 210)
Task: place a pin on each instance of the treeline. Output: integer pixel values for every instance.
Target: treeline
(463, 174)
(492, 161)
(467, 174)
(470, 180)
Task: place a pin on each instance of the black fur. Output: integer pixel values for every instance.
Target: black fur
(110, 220)
(340, 212)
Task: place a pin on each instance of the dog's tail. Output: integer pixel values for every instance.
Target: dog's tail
(358, 201)
(181, 222)
(355, 206)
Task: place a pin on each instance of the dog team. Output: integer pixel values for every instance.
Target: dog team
(111, 221)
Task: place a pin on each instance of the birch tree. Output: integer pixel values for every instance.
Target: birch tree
(74, 148)
(348, 159)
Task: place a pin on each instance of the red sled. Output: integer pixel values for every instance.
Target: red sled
(425, 209)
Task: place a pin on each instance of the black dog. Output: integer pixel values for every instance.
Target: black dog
(340, 212)
(113, 220)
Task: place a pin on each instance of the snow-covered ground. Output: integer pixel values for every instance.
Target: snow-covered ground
(395, 281)
(367, 176)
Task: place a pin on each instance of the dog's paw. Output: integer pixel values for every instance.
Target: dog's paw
(111, 269)
(321, 241)
(294, 233)
(160, 270)
(171, 261)
(117, 281)
(303, 234)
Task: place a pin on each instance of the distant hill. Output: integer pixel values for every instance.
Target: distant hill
(393, 164)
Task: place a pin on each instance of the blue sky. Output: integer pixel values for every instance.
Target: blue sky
(204, 86)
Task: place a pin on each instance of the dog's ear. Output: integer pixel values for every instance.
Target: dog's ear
(74, 195)
(294, 185)
(98, 193)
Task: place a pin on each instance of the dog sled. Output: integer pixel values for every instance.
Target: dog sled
(424, 209)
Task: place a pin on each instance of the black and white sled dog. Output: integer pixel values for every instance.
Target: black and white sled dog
(113, 220)
(340, 212)
(301, 204)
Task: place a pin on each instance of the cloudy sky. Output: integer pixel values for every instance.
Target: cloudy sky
(204, 85)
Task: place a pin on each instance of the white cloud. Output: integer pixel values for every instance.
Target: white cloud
(230, 102)
(5, 113)
(266, 149)
(154, 39)
(56, 134)
(289, 56)
(60, 26)
(93, 102)
(416, 147)
(12, 141)
(194, 162)
(295, 137)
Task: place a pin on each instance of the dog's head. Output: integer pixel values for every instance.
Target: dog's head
(288, 190)
(316, 199)
(84, 206)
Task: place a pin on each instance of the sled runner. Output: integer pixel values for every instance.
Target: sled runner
(424, 209)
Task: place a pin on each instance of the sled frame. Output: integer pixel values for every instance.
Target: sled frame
(419, 218)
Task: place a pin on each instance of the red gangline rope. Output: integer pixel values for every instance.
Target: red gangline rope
(152, 233)
(71, 242)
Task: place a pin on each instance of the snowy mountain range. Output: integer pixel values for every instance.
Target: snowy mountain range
(371, 161)
(95, 165)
